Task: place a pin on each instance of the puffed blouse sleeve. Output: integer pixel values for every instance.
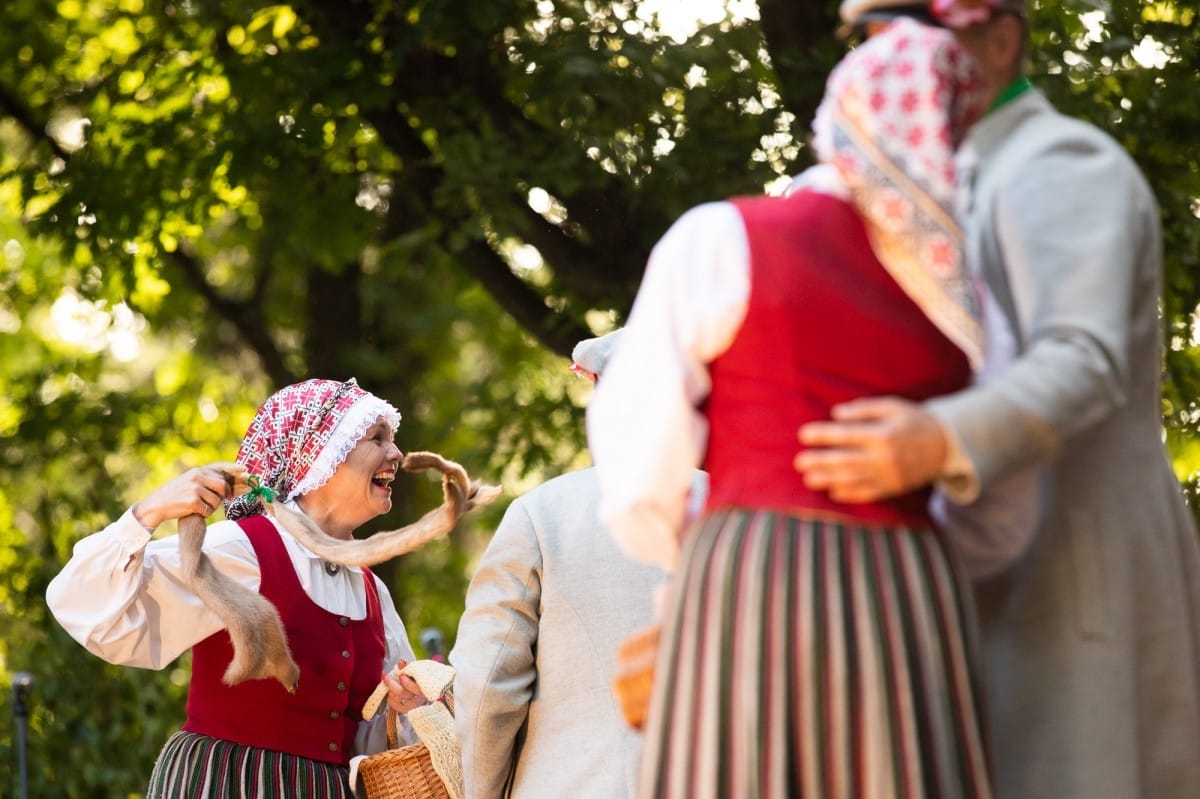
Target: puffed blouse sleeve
(123, 597)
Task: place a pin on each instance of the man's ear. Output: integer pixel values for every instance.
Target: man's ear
(1009, 43)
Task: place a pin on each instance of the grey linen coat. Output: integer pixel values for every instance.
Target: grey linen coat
(1092, 639)
(536, 651)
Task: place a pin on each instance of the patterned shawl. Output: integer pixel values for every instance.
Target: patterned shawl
(895, 109)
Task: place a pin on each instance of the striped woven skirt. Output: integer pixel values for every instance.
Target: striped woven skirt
(193, 766)
(814, 659)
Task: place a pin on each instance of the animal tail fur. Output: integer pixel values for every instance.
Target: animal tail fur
(260, 648)
(460, 495)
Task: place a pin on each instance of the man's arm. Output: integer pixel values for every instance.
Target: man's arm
(1072, 260)
(493, 655)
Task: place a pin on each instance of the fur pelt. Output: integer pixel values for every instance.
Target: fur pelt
(460, 494)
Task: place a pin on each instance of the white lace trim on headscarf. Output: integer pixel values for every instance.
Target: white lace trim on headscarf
(344, 438)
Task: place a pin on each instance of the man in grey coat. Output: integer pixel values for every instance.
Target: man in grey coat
(535, 656)
(1091, 635)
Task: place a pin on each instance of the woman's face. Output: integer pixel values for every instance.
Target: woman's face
(361, 487)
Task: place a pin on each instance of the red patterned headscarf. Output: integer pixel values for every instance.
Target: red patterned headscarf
(895, 110)
(302, 433)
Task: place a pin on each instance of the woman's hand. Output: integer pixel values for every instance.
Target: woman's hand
(403, 692)
(196, 491)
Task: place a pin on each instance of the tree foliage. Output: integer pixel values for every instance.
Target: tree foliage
(201, 202)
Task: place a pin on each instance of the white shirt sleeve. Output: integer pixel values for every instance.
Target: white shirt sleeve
(371, 735)
(645, 430)
(398, 646)
(123, 597)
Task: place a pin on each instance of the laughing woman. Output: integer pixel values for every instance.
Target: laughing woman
(326, 448)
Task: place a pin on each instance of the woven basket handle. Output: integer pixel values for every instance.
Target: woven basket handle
(393, 734)
(433, 677)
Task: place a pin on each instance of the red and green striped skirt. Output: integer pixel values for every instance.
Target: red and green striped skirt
(814, 659)
(193, 766)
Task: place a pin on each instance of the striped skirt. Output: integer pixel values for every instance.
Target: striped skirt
(815, 659)
(193, 766)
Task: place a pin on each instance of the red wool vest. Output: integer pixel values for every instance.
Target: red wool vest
(340, 662)
(825, 323)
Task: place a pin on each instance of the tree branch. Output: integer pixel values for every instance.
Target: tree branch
(247, 317)
(553, 330)
(24, 116)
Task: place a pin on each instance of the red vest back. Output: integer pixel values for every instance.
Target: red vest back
(825, 323)
(340, 662)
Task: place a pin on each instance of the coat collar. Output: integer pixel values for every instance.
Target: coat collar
(988, 133)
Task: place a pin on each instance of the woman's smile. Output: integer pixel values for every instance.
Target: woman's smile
(383, 480)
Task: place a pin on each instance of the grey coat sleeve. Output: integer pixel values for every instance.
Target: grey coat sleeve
(494, 653)
(1063, 235)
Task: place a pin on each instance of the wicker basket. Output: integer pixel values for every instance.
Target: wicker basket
(634, 680)
(403, 773)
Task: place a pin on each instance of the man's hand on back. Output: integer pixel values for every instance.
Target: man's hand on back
(873, 449)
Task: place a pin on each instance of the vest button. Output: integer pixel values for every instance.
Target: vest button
(344, 621)
(333, 714)
(346, 653)
(341, 686)
(333, 747)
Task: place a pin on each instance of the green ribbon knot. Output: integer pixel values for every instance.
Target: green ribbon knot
(260, 491)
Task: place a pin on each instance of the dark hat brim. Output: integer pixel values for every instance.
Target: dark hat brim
(917, 11)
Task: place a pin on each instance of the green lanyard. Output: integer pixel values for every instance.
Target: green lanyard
(1011, 92)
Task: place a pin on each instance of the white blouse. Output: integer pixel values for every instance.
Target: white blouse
(645, 431)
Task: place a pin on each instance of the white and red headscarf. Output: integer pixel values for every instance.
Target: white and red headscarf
(301, 434)
(895, 110)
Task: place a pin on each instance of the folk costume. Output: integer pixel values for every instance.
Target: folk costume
(810, 649)
(122, 598)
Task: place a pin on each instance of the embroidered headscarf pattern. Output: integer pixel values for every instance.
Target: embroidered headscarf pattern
(301, 434)
(895, 109)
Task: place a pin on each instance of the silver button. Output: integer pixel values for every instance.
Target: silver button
(346, 653)
(333, 747)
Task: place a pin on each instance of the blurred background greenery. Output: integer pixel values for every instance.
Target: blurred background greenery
(203, 201)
